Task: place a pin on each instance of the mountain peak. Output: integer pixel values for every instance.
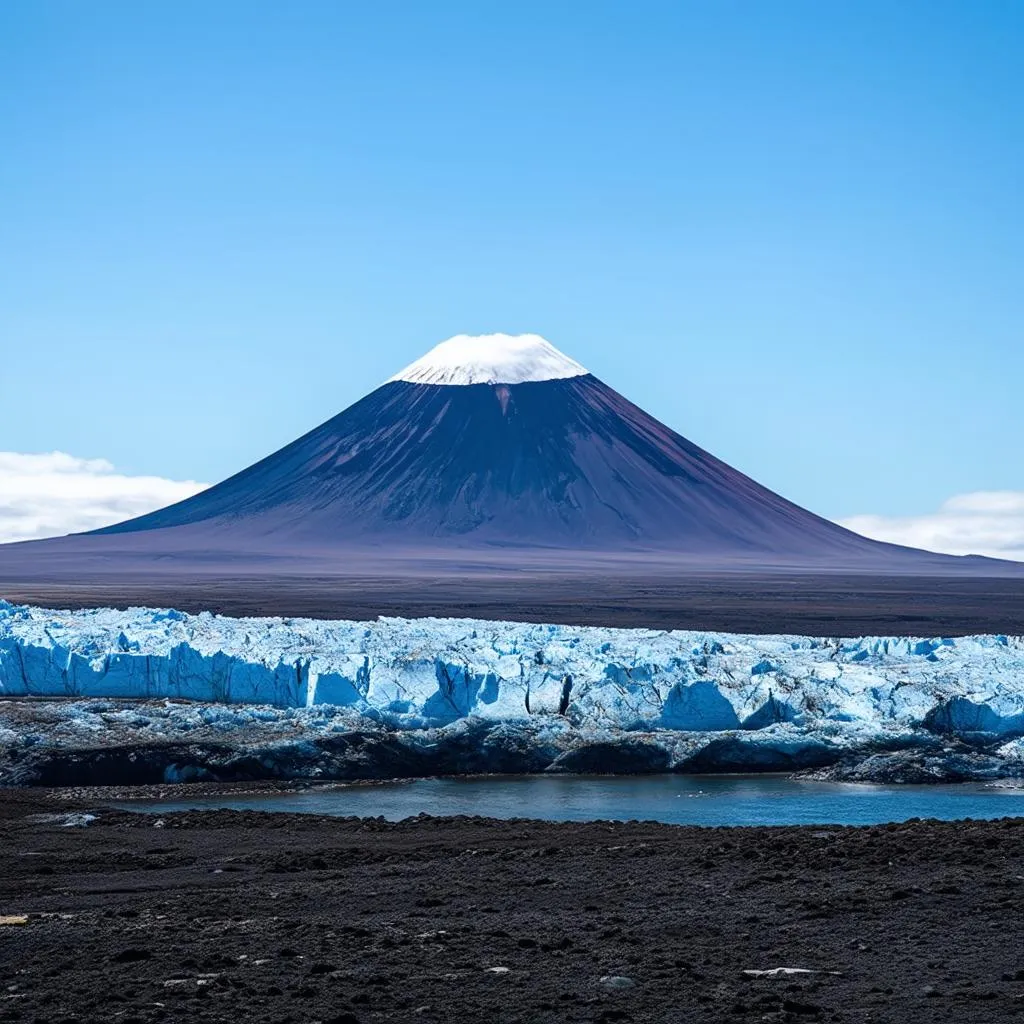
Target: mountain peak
(491, 359)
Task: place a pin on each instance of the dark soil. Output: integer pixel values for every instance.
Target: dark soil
(238, 916)
(812, 604)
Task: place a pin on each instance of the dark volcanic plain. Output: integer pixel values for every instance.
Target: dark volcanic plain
(829, 604)
(238, 916)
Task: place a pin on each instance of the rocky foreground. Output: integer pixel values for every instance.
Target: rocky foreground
(230, 916)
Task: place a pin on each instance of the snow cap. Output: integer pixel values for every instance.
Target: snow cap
(491, 359)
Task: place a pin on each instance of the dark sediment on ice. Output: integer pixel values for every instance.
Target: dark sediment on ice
(222, 915)
(361, 757)
(144, 743)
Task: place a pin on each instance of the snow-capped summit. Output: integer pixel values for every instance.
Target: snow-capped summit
(491, 359)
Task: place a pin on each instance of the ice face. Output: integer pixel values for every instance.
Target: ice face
(429, 673)
(491, 359)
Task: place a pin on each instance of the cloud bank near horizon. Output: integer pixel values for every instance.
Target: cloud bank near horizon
(53, 493)
(982, 523)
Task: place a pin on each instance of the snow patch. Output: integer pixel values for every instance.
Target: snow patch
(491, 359)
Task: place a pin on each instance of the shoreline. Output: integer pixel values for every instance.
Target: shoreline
(283, 787)
(722, 801)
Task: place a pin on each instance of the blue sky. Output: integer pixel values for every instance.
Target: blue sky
(794, 231)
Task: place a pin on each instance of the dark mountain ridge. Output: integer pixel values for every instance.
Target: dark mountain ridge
(487, 455)
(553, 463)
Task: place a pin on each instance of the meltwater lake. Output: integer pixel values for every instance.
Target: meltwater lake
(674, 799)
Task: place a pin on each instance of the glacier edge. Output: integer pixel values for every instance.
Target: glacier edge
(433, 695)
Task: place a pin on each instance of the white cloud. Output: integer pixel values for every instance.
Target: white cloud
(983, 523)
(52, 494)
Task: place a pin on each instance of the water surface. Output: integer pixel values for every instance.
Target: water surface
(677, 799)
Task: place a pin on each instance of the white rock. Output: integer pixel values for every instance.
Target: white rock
(782, 972)
(617, 981)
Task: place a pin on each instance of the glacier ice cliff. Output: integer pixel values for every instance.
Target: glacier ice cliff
(158, 695)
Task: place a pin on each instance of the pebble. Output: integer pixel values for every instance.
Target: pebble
(617, 981)
(782, 972)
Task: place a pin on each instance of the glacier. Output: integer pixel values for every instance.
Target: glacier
(92, 696)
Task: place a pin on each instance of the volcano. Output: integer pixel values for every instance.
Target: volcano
(499, 448)
(497, 441)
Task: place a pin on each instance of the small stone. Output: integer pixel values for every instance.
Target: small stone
(131, 956)
(617, 981)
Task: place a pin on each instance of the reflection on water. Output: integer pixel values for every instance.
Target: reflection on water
(679, 799)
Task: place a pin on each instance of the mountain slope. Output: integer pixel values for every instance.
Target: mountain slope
(485, 444)
(552, 463)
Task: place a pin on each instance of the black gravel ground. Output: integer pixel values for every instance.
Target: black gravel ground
(237, 916)
(814, 604)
